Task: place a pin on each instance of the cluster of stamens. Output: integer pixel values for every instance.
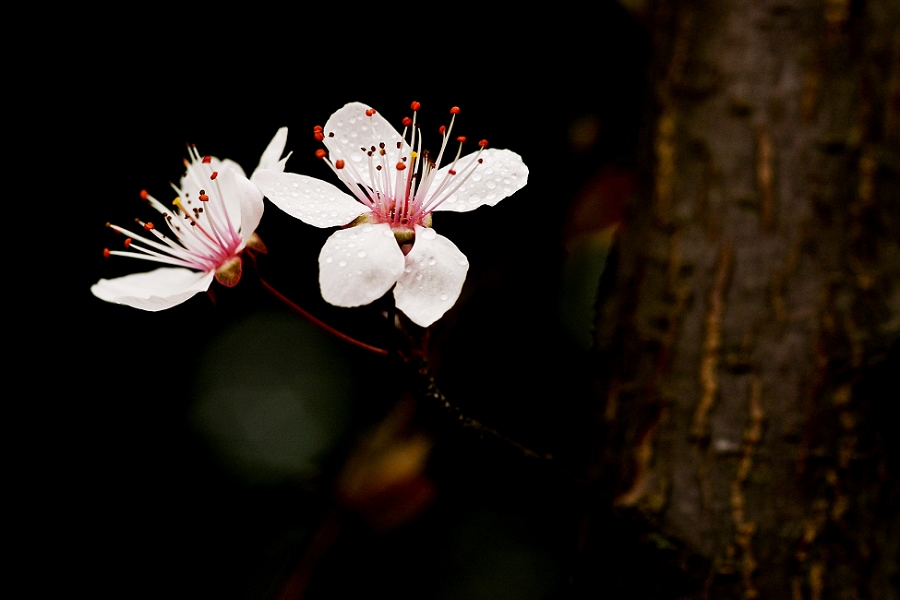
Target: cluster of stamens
(403, 194)
(202, 236)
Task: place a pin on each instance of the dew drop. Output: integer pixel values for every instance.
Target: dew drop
(342, 263)
(407, 269)
(474, 199)
(330, 259)
(432, 261)
(476, 177)
(491, 184)
(361, 254)
(428, 233)
(444, 297)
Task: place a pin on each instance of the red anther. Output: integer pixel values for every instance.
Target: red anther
(214, 175)
(319, 136)
(401, 165)
(483, 143)
(407, 121)
(320, 153)
(480, 160)
(461, 139)
(339, 164)
(127, 243)
(148, 226)
(207, 159)
(317, 128)
(452, 172)
(106, 253)
(370, 112)
(144, 195)
(415, 105)
(442, 129)
(203, 197)
(454, 110)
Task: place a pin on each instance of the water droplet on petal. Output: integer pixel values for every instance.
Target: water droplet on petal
(330, 259)
(361, 254)
(444, 297)
(432, 261)
(429, 233)
(407, 269)
(342, 263)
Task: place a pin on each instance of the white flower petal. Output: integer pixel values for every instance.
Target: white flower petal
(359, 264)
(155, 290)
(311, 200)
(271, 156)
(353, 131)
(433, 277)
(244, 201)
(501, 174)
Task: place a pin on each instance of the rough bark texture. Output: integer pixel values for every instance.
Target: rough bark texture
(751, 320)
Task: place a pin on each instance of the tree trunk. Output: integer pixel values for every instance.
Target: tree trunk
(749, 323)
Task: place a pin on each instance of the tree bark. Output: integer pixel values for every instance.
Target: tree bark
(750, 318)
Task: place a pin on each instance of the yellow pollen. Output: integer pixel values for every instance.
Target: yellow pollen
(413, 154)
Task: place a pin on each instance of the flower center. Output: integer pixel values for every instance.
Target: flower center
(202, 234)
(402, 186)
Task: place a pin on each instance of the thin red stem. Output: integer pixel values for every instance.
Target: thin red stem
(321, 325)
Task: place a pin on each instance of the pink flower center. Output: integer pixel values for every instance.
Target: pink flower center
(403, 187)
(201, 236)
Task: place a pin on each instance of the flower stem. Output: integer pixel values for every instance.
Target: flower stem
(320, 324)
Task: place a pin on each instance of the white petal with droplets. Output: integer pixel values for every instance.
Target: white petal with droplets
(500, 174)
(155, 290)
(353, 131)
(359, 264)
(432, 279)
(311, 200)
